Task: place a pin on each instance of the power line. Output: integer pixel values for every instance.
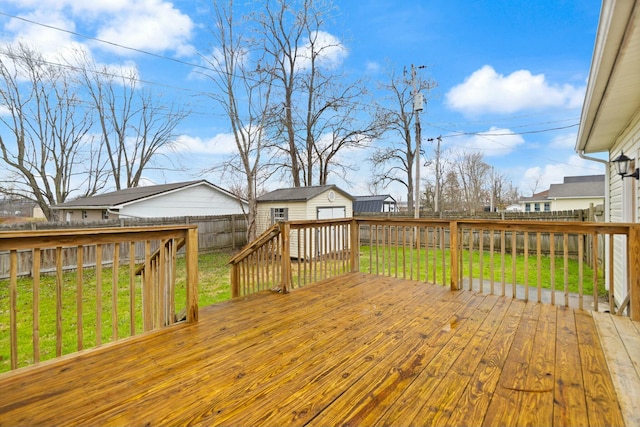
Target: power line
(489, 133)
(51, 27)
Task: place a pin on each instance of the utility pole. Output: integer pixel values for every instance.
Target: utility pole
(438, 177)
(418, 101)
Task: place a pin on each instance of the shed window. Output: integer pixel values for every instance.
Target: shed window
(105, 214)
(527, 207)
(547, 207)
(84, 215)
(279, 214)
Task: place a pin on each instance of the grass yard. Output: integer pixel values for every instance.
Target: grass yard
(214, 287)
(384, 262)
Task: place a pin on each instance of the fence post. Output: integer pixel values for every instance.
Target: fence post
(453, 255)
(633, 254)
(286, 257)
(233, 232)
(354, 245)
(192, 274)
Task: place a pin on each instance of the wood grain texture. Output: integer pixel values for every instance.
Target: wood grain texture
(621, 343)
(603, 407)
(570, 406)
(350, 350)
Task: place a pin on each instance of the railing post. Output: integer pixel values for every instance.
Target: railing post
(633, 251)
(235, 285)
(453, 255)
(286, 257)
(192, 274)
(354, 245)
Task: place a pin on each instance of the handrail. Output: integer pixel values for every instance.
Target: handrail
(266, 236)
(78, 275)
(259, 266)
(453, 252)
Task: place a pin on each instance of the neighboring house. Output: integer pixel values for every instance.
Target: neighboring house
(375, 203)
(20, 208)
(302, 203)
(536, 203)
(610, 120)
(576, 192)
(513, 208)
(192, 198)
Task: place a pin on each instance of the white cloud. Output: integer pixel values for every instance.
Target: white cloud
(494, 142)
(555, 173)
(47, 40)
(564, 141)
(486, 91)
(149, 25)
(331, 52)
(222, 143)
(153, 25)
(372, 67)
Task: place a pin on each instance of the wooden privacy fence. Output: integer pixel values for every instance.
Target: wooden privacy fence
(567, 263)
(84, 307)
(214, 233)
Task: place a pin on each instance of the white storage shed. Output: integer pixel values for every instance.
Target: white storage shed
(307, 203)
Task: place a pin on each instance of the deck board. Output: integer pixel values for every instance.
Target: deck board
(352, 350)
(621, 342)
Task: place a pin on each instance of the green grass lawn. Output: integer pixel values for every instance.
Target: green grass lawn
(408, 261)
(214, 287)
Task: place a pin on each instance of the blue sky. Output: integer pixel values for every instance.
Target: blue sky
(511, 74)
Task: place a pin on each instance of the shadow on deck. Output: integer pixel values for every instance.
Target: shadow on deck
(353, 350)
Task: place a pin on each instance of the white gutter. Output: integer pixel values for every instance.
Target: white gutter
(607, 168)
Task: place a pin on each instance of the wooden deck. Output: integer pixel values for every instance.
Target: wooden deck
(354, 350)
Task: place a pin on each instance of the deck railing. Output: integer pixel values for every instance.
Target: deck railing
(65, 309)
(293, 254)
(564, 263)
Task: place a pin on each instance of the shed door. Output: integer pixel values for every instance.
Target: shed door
(330, 213)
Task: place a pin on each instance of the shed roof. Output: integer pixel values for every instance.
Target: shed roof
(299, 194)
(373, 203)
(128, 195)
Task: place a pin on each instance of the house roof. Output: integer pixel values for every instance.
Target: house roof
(129, 195)
(299, 194)
(372, 203)
(613, 88)
(543, 195)
(578, 186)
(572, 187)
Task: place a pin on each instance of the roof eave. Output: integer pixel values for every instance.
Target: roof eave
(615, 30)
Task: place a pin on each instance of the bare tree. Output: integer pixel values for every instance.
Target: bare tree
(236, 77)
(452, 197)
(283, 30)
(339, 127)
(395, 161)
(316, 114)
(474, 175)
(50, 154)
(504, 193)
(535, 185)
(135, 128)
